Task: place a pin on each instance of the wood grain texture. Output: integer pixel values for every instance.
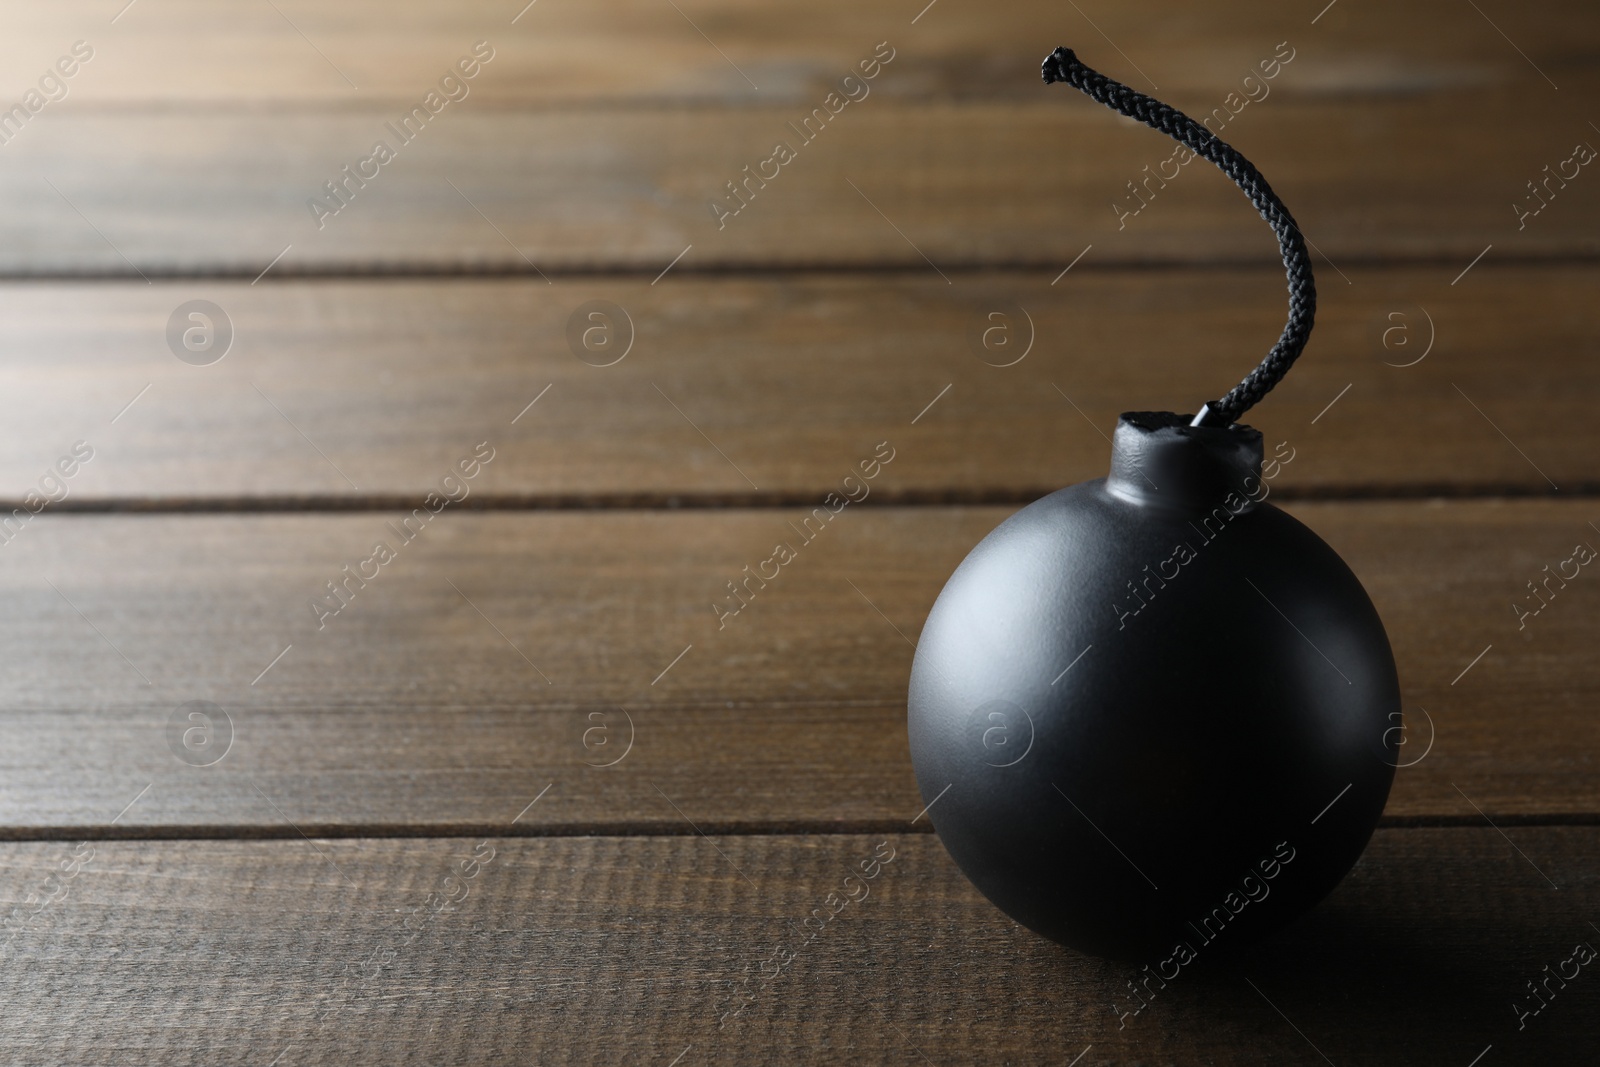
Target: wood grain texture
(925, 187)
(630, 950)
(192, 53)
(466, 817)
(466, 677)
(339, 391)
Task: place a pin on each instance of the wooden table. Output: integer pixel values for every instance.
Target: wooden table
(510, 790)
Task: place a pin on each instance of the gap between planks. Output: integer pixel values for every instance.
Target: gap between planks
(745, 501)
(625, 829)
(737, 268)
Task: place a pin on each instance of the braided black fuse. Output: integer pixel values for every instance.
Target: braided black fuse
(1062, 65)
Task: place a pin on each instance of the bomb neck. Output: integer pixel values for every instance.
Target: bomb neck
(1159, 460)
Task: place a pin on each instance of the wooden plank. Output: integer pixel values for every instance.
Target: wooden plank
(794, 379)
(929, 187)
(472, 671)
(190, 52)
(630, 950)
